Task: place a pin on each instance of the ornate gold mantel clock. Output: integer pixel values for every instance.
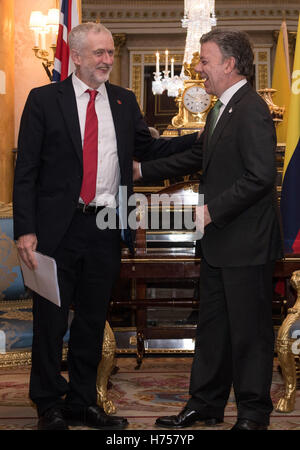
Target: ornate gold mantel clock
(193, 103)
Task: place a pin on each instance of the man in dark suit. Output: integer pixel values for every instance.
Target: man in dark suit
(234, 341)
(76, 144)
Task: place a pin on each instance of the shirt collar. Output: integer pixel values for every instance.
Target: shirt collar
(229, 93)
(80, 87)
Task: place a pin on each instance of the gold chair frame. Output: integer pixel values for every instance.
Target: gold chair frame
(287, 351)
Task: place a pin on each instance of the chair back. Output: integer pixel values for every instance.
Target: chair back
(11, 280)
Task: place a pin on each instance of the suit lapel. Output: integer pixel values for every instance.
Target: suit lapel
(117, 113)
(68, 105)
(222, 122)
(205, 142)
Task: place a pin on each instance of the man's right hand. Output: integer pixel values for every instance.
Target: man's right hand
(26, 245)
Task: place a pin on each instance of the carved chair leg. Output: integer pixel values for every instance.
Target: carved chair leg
(288, 366)
(105, 368)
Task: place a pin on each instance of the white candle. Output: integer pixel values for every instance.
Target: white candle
(166, 53)
(157, 62)
(53, 37)
(43, 41)
(36, 38)
(172, 67)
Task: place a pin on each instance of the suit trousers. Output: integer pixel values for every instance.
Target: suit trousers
(88, 263)
(234, 342)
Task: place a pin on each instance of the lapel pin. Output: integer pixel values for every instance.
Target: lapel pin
(119, 101)
(230, 111)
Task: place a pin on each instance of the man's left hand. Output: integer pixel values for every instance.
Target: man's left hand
(202, 217)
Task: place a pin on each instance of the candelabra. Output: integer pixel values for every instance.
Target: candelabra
(199, 18)
(44, 26)
(170, 83)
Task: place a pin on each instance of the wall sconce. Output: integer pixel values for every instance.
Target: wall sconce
(43, 26)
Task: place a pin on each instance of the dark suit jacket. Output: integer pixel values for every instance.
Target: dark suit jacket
(49, 167)
(238, 179)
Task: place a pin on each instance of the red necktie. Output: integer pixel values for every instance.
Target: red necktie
(90, 151)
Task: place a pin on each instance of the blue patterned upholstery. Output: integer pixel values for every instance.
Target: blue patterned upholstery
(15, 301)
(11, 281)
(16, 323)
(294, 330)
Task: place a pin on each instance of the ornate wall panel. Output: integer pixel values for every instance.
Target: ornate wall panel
(139, 59)
(262, 67)
(133, 15)
(151, 25)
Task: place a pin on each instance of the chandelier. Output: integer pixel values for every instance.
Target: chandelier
(199, 18)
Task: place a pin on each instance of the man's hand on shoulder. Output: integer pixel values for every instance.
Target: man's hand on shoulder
(26, 245)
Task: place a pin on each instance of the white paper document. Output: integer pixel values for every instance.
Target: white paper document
(43, 279)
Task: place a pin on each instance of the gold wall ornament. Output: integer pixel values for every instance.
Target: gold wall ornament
(276, 111)
(262, 56)
(287, 353)
(262, 63)
(136, 85)
(263, 76)
(119, 41)
(137, 59)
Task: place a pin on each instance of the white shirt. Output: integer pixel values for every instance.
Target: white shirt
(108, 170)
(228, 94)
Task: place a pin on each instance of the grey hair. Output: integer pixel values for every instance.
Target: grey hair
(233, 43)
(77, 35)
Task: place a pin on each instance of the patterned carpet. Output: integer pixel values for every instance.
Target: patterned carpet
(160, 387)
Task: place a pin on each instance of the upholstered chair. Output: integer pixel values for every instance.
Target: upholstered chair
(16, 315)
(15, 301)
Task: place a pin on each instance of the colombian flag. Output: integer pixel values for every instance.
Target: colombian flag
(281, 81)
(290, 196)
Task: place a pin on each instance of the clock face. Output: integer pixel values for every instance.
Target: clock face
(196, 100)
